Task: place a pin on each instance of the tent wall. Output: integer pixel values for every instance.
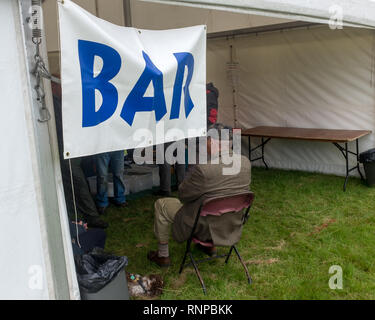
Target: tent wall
(110, 10)
(149, 16)
(316, 77)
(159, 16)
(313, 78)
(354, 13)
(36, 255)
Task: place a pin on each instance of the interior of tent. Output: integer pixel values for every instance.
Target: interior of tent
(282, 63)
(269, 72)
(271, 69)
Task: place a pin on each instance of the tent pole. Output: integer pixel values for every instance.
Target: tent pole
(127, 13)
(257, 30)
(234, 93)
(97, 8)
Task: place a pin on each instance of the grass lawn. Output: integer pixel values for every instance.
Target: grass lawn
(300, 225)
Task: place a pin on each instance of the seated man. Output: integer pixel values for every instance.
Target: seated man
(202, 182)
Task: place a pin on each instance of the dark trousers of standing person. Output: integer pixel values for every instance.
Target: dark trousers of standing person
(165, 173)
(85, 204)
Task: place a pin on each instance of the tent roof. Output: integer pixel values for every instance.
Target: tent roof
(356, 13)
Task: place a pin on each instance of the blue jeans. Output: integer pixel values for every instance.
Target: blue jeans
(114, 159)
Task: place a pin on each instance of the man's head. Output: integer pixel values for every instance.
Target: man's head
(219, 138)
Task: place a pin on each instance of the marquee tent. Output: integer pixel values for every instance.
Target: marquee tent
(310, 76)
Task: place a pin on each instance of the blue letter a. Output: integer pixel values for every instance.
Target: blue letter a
(111, 65)
(183, 59)
(136, 101)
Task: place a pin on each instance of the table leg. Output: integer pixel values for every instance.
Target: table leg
(249, 148)
(263, 153)
(264, 142)
(347, 165)
(345, 152)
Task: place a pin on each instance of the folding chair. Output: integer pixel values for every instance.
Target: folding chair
(217, 207)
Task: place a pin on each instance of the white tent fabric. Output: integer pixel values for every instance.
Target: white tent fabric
(36, 259)
(312, 78)
(356, 13)
(23, 266)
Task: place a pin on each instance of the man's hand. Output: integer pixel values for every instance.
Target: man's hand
(84, 225)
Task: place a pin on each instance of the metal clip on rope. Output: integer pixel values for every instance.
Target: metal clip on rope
(39, 69)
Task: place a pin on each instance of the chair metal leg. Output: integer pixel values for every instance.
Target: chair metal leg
(228, 256)
(184, 259)
(243, 264)
(195, 264)
(197, 272)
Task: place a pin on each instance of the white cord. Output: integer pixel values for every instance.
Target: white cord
(74, 201)
(373, 60)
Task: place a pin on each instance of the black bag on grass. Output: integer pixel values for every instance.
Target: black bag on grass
(368, 160)
(96, 270)
(367, 156)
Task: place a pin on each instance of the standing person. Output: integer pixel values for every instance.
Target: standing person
(212, 103)
(115, 160)
(85, 204)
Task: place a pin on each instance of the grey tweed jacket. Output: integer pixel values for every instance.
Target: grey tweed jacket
(206, 181)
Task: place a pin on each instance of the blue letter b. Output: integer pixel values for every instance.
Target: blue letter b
(111, 65)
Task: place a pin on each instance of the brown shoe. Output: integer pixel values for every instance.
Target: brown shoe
(160, 261)
(210, 251)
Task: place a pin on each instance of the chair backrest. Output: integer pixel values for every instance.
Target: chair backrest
(220, 205)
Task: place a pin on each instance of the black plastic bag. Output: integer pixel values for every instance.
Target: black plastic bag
(96, 270)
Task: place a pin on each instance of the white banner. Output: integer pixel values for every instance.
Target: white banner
(125, 88)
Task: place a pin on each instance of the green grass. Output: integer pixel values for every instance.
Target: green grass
(300, 225)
